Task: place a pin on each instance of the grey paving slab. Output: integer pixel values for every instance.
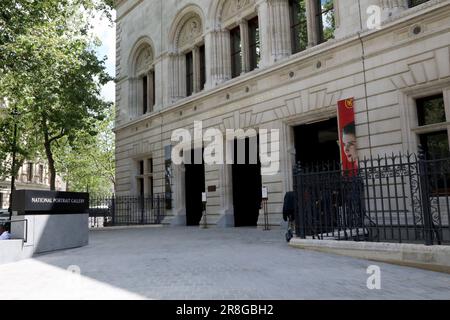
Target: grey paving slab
(193, 263)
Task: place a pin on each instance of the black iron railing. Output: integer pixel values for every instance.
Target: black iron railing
(400, 198)
(126, 210)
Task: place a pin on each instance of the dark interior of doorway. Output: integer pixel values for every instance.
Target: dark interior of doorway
(194, 186)
(317, 142)
(247, 184)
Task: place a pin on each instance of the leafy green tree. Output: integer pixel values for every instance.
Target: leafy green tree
(25, 144)
(87, 164)
(19, 17)
(50, 71)
(329, 19)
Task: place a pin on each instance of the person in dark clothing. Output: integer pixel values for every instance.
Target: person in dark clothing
(289, 213)
(289, 206)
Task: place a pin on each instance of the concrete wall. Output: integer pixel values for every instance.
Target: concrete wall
(53, 232)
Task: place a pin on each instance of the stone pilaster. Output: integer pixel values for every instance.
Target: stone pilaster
(196, 66)
(390, 8)
(172, 85)
(181, 76)
(280, 30)
(219, 63)
(177, 73)
(265, 32)
(132, 98)
(311, 22)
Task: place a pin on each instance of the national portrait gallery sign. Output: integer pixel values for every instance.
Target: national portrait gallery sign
(36, 202)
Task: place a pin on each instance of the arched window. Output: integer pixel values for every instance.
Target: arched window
(187, 56)
(142, 80)
(235, 39)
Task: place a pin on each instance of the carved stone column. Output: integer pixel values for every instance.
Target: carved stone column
(196, 67)
(311, 22)
(179, 200)
(279, 36)
(391, 8)
(265, 34)
(132, 97)
(172, 83)
(220, 59)
(181, 76)
(177, 73)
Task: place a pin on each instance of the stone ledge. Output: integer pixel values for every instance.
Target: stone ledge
(436, 258)
(148, 226)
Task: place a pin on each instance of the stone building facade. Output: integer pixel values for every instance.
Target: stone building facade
(272, 64)
(32, 175)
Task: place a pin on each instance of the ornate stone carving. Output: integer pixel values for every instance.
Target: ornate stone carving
(144, 60)
(190, 31)
(233, 7)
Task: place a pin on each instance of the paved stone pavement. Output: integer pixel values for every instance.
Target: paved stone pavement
(193, 263)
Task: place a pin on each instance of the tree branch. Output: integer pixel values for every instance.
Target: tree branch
(59, 136)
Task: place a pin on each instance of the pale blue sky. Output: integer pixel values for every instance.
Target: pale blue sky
(107, 34)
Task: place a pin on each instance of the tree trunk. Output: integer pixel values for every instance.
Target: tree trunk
(49, 154)
(51, 165)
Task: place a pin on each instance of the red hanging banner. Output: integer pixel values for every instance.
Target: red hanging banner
(347, 134)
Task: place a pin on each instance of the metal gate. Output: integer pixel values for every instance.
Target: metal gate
(126, 210)
(396, 198)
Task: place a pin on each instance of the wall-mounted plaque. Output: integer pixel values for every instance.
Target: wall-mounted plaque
(265, 193)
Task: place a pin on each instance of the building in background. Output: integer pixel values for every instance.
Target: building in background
(33, 175)
(273, 64)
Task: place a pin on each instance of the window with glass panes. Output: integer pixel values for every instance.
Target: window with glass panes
(236, 52)
(299, 32)
(325, 20)
(433, 137)
(254, 44)
(144, 177)
(30, 172)
(144, 95)
(140, 178)
(41, 173)
(189, 74)
(201, 51)
(153, 97)
(413, 3)
(431, 113)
